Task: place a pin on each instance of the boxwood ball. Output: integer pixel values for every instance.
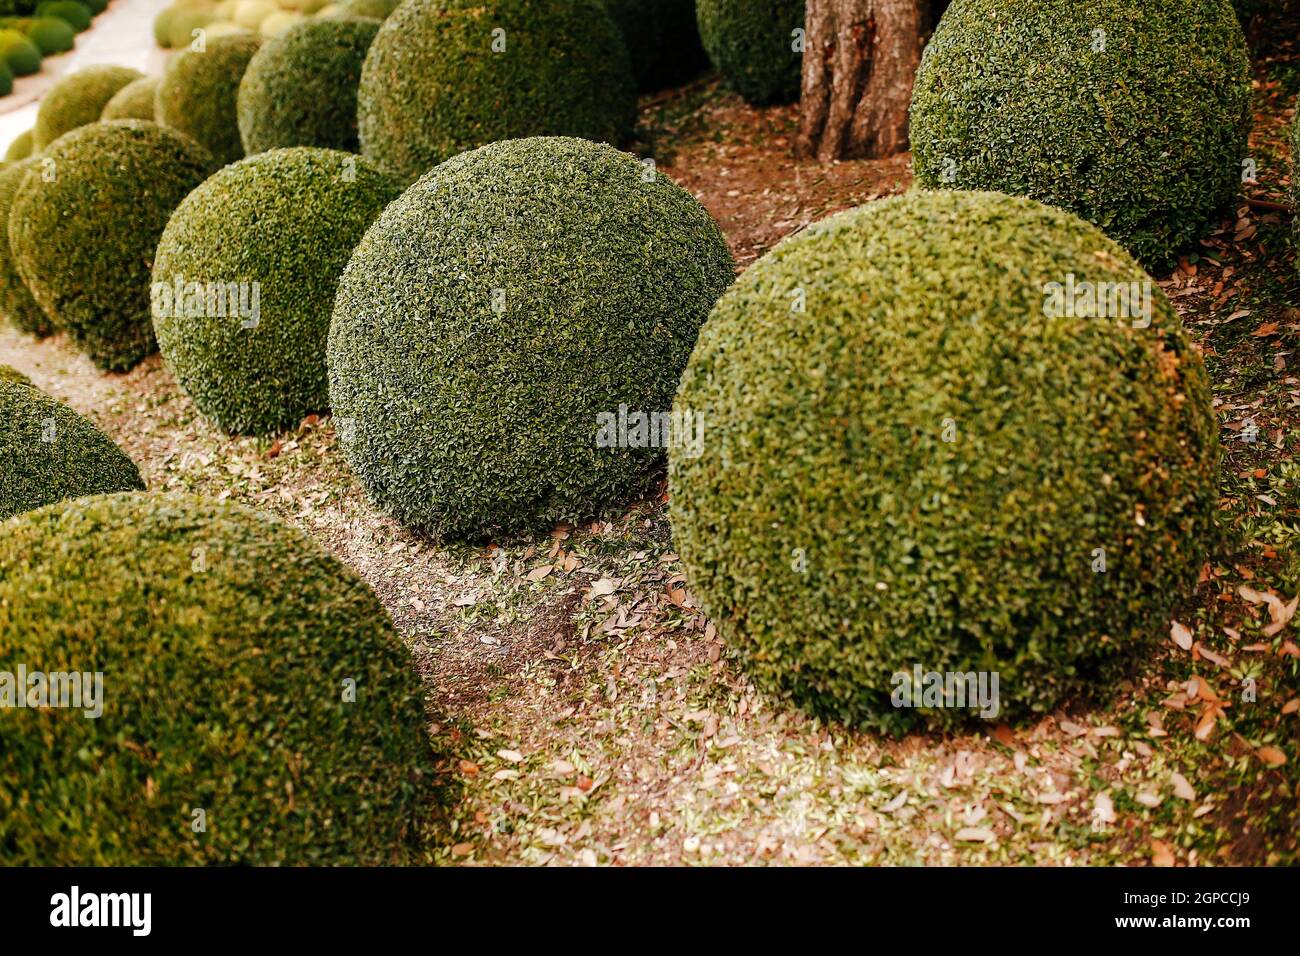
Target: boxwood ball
(16, 300)
(90, 271)
(78, 99)
(922, 451)
(752, 44)
(251, 683)
(263, 242)
(495, 311)
(444, 76)
(133, 101)
(1132, 113)
(199, 89)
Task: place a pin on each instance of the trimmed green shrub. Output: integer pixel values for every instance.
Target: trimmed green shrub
(17, 50)
(183, 23)
(96, 7)
(300, 89)
(925, 461)
(6, 79)
(278, 22)
(499, 307)
(51, 35)
(20, 148)
(10, 374)
(370, 9)
(432, 85)
(752, 44)
(198, 93)
(16, 301)
(77, 99)
(133, 101)
(90, 271)
(76, 15)
(662, 40)
(283, 224)
(48, 453)
(246, 672)
(249, 14)
(1139, 128)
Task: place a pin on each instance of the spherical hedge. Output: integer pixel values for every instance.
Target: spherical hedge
(77, 99)
(199, 90)
(370, 9)
(76, 15)
(495, 311)
(662, 40)
(284, 223)
(432, 85)
(10, 374)
(752, 44)
(258, 707)
(133, 101)
(6, 79)
(20, 148)
(19, 53)
(300, 89)
(913, 456)
(16, 301)
(1132, 114)
(48, 453)
(90, 271)
(183, 23)
(51, 34)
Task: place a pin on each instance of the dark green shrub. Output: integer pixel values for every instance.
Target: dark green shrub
(51, 34)
(10, 374)
(495, 310)
(6, 79)
(90, 271)
(16, 301)
(78, 99)
(48, 453)
(370, 9)
(912, 460)
(283, 223)
(96, 7)
(247, 674)
(1139, 128)
(432, 85)
(662, 40)
(76, 15)
(752, 44)
(20, 148)
(198, 93)
(19, 53)
(300, 88)
(133, 101)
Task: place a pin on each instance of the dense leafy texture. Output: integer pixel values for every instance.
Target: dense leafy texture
(20, 148)
(90, 271)
(662, 40)
(432, 85)
(752, 44)
(919, 467)
(198, 93)
(133, 101)
(51, 34)
(495, 310)
(1140, 128)
(287, 221)
(300, 89)
(77, 99)
(228, 642)
(48, 453)
(16, 302)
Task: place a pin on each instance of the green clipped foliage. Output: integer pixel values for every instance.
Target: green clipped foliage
(919, 466)
(1140, 129)
(751, 43)
(287, 221)
(370, 9)
(133, 101)
(432, 86)
(662, 40)
(300, 89)
(51, 34)
(90, 272)
(494, 311)
(17, 50)
(96, 7)
(77, 99)
(6, 79)
(198, 93)
(183, 23)
(76, 15)
(227, 659)
(10, 374)
(48, 453)
(16, 302)
(20, 148)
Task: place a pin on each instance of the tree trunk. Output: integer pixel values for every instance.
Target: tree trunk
(860, 58)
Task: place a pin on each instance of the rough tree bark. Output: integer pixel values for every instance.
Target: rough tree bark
(860, 58)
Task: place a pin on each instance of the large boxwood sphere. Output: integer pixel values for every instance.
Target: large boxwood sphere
(199, 90)
(133, 101)
(284, 223)
(432, 85)
(495, 310)
(16, 301)
(912, 457)
(752, 44)
(51, 34)
(48, 453)
(300, 89)
(662, 40)
(1132, 113)
(257, 708)
(84, 240)
(78, 99)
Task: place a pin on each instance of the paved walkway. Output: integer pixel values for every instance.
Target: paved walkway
(122, 35)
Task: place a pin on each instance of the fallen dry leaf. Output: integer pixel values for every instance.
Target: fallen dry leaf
(1161, 853)
(1271, 756)
(1181, 635)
